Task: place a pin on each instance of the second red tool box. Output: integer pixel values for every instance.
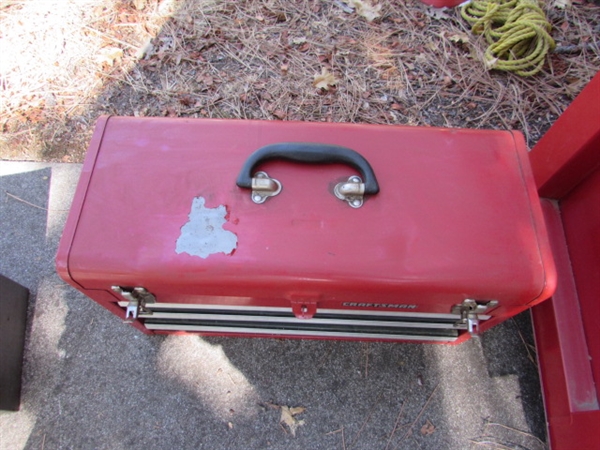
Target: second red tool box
(253, 228)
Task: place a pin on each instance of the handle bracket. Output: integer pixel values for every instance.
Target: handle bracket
(351, 191)
(264, 187)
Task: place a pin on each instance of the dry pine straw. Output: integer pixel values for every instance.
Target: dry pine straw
(71, 60)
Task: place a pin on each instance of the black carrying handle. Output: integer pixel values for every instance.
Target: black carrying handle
(309, 152)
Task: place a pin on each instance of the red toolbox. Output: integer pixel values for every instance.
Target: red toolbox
(254, 228)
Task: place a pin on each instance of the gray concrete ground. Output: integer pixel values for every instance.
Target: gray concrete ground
(92, 382)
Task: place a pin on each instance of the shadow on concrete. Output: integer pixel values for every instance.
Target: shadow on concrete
(515, 338)
(24, 226)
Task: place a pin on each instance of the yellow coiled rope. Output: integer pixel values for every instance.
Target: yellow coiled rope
(517, 31)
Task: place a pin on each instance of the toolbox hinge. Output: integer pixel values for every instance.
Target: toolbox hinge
(469, 311)
(137, 298)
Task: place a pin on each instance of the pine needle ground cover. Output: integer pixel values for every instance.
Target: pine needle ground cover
(65, 62)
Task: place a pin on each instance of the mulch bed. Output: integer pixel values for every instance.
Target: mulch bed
(66, 62)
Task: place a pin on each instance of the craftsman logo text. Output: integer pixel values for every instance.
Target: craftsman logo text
(379, 305)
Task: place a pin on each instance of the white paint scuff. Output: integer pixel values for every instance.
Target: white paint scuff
(203, 235)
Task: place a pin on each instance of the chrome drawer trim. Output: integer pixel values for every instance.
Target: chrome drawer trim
(300, 333)
(287, 310)
(293, 320)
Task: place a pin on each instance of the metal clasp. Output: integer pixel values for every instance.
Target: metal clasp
(137, 298)
(264, 187)
(469, 311)
(351, 191)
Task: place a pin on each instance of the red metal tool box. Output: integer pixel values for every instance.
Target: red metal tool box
(255, 228)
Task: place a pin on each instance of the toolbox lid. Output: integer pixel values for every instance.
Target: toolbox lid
(456, 216)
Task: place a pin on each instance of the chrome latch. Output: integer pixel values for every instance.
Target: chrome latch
(137, 299)
(469, 311)
(351, 191)
(264, 187)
